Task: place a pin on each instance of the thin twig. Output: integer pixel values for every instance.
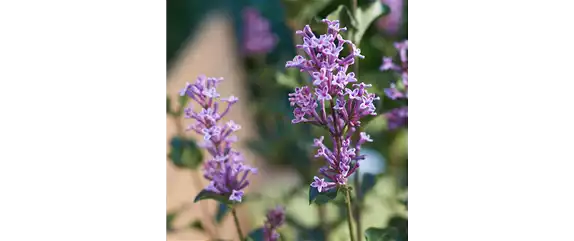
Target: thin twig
(349, 212)
(237, 226)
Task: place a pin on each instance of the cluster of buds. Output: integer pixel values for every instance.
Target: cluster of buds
(225, 170)
(257, 35)
(275, 218)
(330, 103)
(398, 117)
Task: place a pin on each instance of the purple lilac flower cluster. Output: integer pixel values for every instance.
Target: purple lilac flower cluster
(275, 218)
(257, 37)
(225, 170)
(329, 102)
(398, 117)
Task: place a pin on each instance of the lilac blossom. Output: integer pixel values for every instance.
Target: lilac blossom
(257, 35)
(391, 22)
(336, 100)
(275, 218)
(225, 170)
(398, 117)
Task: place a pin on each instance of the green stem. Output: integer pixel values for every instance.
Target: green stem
(358, 204)
(237, 223)
(322, 211)
(349, 212)
(357, 176)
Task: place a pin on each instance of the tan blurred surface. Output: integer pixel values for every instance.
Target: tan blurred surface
(212, 53)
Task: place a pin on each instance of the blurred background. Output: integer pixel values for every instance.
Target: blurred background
(247, 42)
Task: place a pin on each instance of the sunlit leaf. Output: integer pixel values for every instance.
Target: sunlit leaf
(365, 15)
(345, 17)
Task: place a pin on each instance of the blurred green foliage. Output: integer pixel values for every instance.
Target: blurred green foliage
(381, 234)
(184, 153)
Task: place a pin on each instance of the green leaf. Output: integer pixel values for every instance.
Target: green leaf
(204, 194)
(400, 223)
(255, 235)
(185, 153)
(286, 80)
(381, 234)
(196, 225)
(311, 9)
(345, 17)
(365, 15)
(321, 197)
(368, 182)
(170, 217)
(222, 210)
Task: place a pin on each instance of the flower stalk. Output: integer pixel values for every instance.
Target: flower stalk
(237, 226)
(349, 211)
